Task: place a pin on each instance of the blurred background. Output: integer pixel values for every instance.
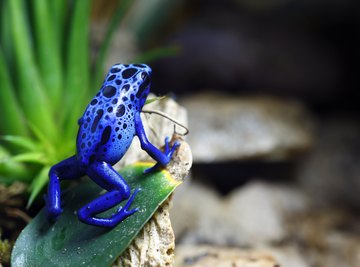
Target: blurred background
(272, 92)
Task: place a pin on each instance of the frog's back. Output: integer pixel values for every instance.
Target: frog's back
(107, 127)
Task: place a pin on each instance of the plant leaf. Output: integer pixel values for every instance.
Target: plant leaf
(48, 51)
(12, 121)
(31, 157)
(58, 12)
(21, 141)
(68, 242)
(76, 65)
(45, 142)
(148, 101)
(31, 94)
(38, 184)
(11, 170)
(5, 34)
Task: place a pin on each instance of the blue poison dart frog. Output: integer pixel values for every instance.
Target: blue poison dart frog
(106, 130)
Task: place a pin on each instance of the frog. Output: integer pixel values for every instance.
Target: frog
(106, 130)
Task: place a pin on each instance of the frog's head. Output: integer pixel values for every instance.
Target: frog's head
(141, 84)
(132, 81)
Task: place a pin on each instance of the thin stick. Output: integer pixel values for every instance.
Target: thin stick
(169, 118)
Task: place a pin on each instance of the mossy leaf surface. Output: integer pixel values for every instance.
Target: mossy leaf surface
(68, 242)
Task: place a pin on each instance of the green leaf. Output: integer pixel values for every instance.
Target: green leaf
(58, 10)
(31, 157)
(5, 34)
(148, 101)
(68, 242)
(21, 141)
(76, 65)
(38, 184)
(12, 121)
(45, 142)
(48, 51)
(31, 94)
(11, 170)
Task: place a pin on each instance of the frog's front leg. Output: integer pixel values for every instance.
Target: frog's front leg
(162, 158)
(118, 190)
(65, 170)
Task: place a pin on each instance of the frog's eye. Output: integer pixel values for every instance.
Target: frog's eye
(128, 73)
(145, 77)
(114, 69)
(144, 85)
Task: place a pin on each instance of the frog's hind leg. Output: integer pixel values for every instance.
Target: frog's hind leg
(65, 170)
(118, 190)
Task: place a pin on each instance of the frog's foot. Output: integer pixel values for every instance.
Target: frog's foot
(53, 211)
(118, 190)
(103, 203)
(168, 154)
(124, 212)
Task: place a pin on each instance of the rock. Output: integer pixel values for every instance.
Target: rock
(327, 238)
(154, 246)
(227, 128)
(199, 215)
(208, 256)
(259, 211)
(331, 173)
(253, 215)
(287, 256)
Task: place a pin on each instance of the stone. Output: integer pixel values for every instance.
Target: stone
(259, 211)
(155, 244)
(287, 255)
(229, 128)
(327, 237)
(198, 216)
(255, 214)
(215, 256)
(331, 173)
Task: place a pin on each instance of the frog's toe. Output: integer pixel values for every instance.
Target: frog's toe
(152, 169)
(167, 145)
(53, 213)
(124, 212)
(173, 149)
(131, 199)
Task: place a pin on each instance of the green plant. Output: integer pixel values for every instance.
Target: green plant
(46, 80)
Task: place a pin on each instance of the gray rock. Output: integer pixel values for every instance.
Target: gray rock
(215, 256)
(154, 245)
(199, 215)
(327, 237)
(226, 128)
(259, 211)
(331, 173)
(288, 256)
(253, 215)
